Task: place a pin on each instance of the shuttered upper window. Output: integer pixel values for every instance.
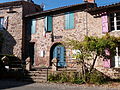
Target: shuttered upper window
(33, 26)
(115, 21)
(69, 20)
(48, 23)
(1, 23)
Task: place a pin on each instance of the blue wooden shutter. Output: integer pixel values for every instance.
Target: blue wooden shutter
(62, 57)
(55, 52)
(33, 26)
(49, 23)
(71, 20)
(66, 21)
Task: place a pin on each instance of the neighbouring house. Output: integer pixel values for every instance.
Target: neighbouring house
(12, 25)
(48, 29)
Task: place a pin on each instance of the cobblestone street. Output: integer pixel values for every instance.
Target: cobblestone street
(17, 85)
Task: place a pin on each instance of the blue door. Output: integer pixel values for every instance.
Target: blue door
(59, 53)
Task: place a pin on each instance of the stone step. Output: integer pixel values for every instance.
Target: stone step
(37, 71)
(35, 80)
(36, 77)
(40, 69)
(117, 74)
(66, 69)
(36, 74)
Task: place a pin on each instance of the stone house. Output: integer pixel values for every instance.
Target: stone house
(30, 32)
(12, 25)
(48, 29)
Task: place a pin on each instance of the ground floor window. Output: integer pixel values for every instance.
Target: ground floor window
(117, 57)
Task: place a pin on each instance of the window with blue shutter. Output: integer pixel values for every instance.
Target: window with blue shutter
(1, 23)
(48, 23)
(33, 26)
(69, 20)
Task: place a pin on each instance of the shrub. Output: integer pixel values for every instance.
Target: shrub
(97, 77)
(62, 77)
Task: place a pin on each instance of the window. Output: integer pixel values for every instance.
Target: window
(117, 57)
(33, 26)
(115, 21)
(69, 20)
(1, 23)
(48, 24)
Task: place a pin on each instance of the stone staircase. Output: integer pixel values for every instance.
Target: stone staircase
(36, 75)
(117, 72)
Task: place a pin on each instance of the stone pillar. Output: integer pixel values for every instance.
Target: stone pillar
(5, 61)
(28, 64)
(54, 64)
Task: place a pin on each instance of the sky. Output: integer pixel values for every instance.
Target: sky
(50, 4)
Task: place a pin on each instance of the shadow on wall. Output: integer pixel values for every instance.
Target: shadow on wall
(8, 43)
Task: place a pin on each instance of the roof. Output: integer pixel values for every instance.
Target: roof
(81, 7)
(15, 3)
(107, 8)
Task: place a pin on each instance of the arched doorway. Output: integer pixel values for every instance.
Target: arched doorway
(58, 51)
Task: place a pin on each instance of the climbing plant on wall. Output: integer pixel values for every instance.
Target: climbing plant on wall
(93, 47)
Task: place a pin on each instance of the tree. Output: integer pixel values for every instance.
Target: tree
(93, 47)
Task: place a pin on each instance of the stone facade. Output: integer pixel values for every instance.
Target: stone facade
(84, 24)
(14, 34)
(17, 39)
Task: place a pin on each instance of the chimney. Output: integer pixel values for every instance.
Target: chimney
(89, 1)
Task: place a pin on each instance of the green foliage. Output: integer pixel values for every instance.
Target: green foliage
(98, 45)
(72, 77)
(90, 49)
(97, 77)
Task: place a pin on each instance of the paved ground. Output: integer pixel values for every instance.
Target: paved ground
(15, 85)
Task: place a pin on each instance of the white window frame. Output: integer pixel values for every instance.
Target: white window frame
(115, 22)
(117, 59)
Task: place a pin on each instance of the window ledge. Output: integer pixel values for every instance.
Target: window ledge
(115, 31)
